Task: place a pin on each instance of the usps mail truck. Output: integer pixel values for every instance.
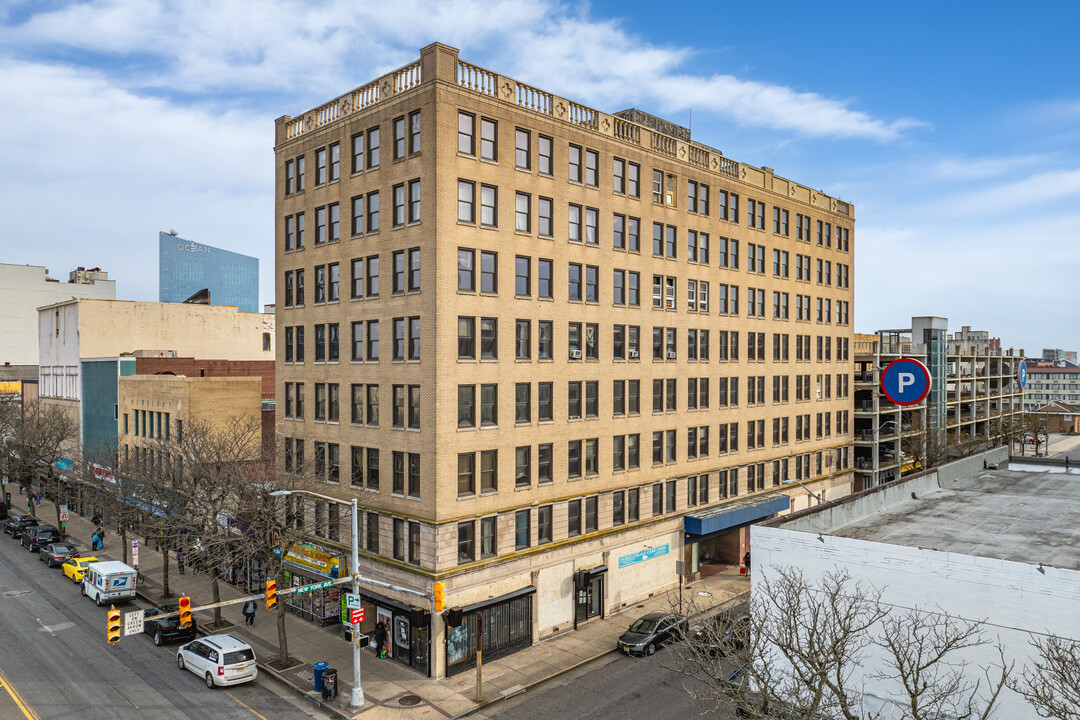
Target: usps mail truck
(107, 582)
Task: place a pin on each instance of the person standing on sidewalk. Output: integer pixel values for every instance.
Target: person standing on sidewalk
(746, 562)
(249, 612)
(380, 640)
(180, 562)
(99, 533)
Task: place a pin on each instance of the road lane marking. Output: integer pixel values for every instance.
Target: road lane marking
(27, 711)
(244, 706)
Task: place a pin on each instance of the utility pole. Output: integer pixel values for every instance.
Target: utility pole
(357, 700)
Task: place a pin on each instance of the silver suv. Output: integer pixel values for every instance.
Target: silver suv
(219, 660)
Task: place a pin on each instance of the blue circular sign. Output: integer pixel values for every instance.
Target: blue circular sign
(905, 381)
(1021, 373)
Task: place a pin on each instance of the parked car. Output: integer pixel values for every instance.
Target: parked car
(651, 631)
(17, 523)
(219, 660)
(76, 566)
(35, 538)
(722, 634)
(57, 553)
(166, 629)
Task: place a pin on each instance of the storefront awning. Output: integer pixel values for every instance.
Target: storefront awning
(499, 600)
(707, 522)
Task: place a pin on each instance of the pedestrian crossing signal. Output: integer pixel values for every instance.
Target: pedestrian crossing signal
(113, 631)
(271, 594)
(185, 612)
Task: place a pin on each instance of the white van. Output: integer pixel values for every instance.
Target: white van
(109, 581)
(219, 660)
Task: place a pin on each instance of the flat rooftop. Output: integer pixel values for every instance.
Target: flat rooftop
(1017, 515)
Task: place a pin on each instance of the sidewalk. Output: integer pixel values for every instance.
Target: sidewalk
(390, 688)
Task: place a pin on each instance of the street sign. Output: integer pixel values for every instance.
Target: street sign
(353, 602)
(135, 553)
(65, 464)
(356, 616)
(905, 381)
(314, 586)
(133, 623)
(63, 517)
(1021, 374)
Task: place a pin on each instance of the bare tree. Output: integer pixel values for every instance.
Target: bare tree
(922, 651)
(798, 647)
(1051, 684)
(33, 437)
(802, 644)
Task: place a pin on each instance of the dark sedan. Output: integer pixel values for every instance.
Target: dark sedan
(166, 629)
(723, 634)
(57, 553)
(17, 523)
(651, 631)
(35, 538)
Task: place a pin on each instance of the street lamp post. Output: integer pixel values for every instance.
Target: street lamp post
(356, 701)
(788, 481)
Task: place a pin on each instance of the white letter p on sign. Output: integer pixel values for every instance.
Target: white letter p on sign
(905, 379)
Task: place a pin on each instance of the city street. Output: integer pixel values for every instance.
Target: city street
(55, 662)
(615, 687)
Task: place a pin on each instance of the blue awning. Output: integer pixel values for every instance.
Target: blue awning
(707, 522)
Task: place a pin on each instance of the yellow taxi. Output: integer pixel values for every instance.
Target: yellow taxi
(75, 567)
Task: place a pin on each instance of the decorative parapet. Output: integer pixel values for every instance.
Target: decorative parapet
(632, 127)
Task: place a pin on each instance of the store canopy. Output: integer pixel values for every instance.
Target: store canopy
(707, 522)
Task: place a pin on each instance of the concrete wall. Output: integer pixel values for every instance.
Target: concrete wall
(23, 289)
(966, 467)
(1012, 599)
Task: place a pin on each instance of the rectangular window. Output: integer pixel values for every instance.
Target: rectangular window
(466, 201)
(489, 278)
(574, 164)
(489, 147)
(466, 542)
(522, 212)
(466, 134)
(489, 216)
(544, 163)
(522, 529)
(523, 466)
(489, 536)
(573, 518)
(373, 148)
(522, 140)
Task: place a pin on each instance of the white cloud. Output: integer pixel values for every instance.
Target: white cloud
(320, 48)
(956, 168)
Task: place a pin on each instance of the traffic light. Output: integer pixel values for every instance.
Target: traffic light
(185, 612)
(440, 597)
(271, 594)
(113, 631)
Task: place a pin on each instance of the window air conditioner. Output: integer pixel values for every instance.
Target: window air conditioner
(670, 354)
(575, 354)
(632, 353)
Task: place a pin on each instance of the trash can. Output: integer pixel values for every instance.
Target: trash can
(329, 684)
(320, 670)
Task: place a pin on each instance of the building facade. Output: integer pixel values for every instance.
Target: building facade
(186, 267)
(25, 288)
(974, 400)
(86, 345)
(556, 354)
(1051, 383)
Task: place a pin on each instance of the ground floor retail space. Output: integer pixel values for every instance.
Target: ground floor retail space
(718, 538)
(408, 629)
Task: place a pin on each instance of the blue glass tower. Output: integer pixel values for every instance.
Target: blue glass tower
(186, 267)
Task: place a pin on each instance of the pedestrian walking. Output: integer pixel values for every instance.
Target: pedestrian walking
(180, 561)
(249, 612)
(94, 541)
(380, 640)
(746, 562)
(99, 532)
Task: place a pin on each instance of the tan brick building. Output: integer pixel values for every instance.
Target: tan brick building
(552, 351)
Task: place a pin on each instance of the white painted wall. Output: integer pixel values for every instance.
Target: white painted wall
(633, 583)
(58, 341)
(1013, 599)
(23, 289)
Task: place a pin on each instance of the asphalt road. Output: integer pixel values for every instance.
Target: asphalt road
(55, 662)
(615, 687)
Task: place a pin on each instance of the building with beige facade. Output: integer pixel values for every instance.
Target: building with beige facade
(25, 288)
(87, 344)
(555, 353)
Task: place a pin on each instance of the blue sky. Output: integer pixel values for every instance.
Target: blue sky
(954, 128)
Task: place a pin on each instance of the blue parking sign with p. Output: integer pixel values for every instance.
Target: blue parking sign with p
(905, 381)
(1022, 374)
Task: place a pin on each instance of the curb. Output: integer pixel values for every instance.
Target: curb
(720, 607)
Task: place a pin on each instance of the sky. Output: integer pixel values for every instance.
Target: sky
(953, 128)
